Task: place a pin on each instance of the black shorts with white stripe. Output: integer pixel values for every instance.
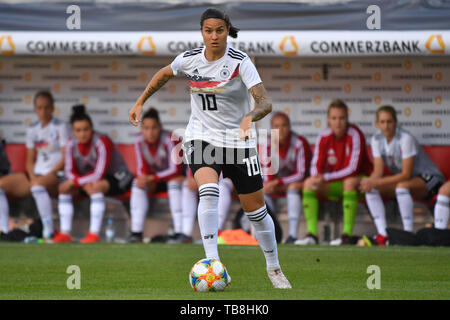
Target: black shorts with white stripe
(433, 184)
(241, 165)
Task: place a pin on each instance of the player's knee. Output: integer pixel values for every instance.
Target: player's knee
(94, 187)
(191, 184)
(445, 189)
(308, 184)
(100, 187)
(250, 207)
(351, 184)
(63, 188)
(295, 186)
(402, 185)
(36, 183)
(177, 179)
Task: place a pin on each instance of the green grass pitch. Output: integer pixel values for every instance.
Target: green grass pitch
(160, 271)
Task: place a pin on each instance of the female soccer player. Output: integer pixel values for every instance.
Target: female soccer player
(94, 165)
(294, 157)
(220, 136)
(340, 158)
(45, 142)
(156, 171)
(413, 172)
(442, 207)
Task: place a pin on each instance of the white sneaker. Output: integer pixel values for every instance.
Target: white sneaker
(336, 242)
(343, 240)
(278, 279)
(308, 240)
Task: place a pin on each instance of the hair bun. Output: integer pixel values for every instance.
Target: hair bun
(79, 109)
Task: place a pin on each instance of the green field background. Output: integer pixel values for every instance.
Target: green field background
(160, 271)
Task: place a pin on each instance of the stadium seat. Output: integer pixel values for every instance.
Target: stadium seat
(17, 157)
(440, 155)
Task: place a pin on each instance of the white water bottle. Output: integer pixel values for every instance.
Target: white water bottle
(109, 231)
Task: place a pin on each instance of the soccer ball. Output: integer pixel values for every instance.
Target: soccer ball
(208, 275)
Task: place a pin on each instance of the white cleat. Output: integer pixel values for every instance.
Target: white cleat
(278, 279)
(308, 240)
(336, 242)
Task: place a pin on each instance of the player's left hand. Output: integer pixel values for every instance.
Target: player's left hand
(135, 114)
(245, 131)
(269, 187)
(317, 180)
(142, 181)
(366, 184)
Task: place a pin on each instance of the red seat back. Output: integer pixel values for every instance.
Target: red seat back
(441, 157)
(129, 155)
(17, 156)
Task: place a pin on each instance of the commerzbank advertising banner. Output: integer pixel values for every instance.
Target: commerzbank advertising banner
(302, 72)
(255, 43)
(417, 87)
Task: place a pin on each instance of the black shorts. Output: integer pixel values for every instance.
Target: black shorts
(241, 165)
(4, 173)
(119, 183)
(160, 187)
(433, 184)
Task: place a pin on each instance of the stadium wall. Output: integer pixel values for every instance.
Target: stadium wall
(418, 87)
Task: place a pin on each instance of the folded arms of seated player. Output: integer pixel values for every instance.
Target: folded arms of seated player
(353, 166)
(146, 173)
(104, 148)
(302, 156)
(377, 179)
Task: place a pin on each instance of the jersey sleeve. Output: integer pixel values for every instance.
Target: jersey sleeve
(70, 167)
(375, 146)
(104, 148)
(409, 146)
(318, 159)
(177, 64)
(248, 73)
(63, 134)
(301, 164)
(29, 139)
(173, 168)
(142, 166)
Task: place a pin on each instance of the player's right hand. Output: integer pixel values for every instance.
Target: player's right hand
(366, 184)
(245, 130)
(135, 114)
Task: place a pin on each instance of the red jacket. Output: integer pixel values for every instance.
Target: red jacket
(337, 159)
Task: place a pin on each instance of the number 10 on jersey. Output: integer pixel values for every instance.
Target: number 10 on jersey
(252, 165)
(208, 101)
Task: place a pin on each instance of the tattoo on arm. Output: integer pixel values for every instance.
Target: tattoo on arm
(154, 85)
(263, 104)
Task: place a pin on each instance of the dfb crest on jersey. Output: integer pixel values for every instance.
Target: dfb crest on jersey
(224, 74)
(53, 135)
(332, 160)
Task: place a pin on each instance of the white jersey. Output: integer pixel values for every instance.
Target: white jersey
(403, 146)
(47, 142)
(219, 95)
